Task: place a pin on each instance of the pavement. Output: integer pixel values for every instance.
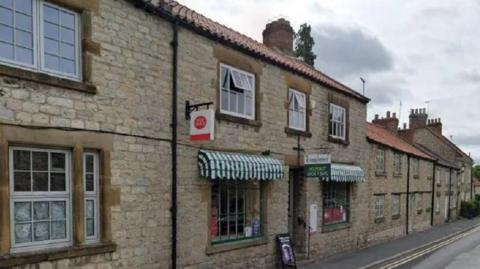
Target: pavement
(371, 255)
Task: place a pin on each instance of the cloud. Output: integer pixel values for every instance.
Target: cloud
(470, 76)
(470, 140)
(342, 51)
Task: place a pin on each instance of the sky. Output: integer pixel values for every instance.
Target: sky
(412, 54)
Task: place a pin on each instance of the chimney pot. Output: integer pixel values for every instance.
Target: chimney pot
(405, 126)
(279, 35)
(388, 114)
(376, 116)
(394, 115)
(412, 111)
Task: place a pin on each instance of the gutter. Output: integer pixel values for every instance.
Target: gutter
(408, 193)
(174, 127)
(433, 193)
(449, 193)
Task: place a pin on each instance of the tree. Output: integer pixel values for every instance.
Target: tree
(476, 171)
(304, 44)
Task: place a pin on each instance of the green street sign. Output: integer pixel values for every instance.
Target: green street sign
(318, 165)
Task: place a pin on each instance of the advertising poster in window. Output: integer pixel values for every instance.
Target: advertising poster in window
(287, 256)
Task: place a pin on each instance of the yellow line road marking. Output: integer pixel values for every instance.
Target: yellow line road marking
(426, 251)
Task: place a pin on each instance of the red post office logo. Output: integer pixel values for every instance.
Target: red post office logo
(200, 122)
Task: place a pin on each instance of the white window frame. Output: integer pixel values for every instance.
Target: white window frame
(39, 197)
(397, 163)
(332, 111)
(437, 205)
(38, 46)
(379, 206)
(396, 205)
(377, 160)
(253, 91)
(92, 195)
(292, 94)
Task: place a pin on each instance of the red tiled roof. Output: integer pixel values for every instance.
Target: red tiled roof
(213, 29)
(450, 143)
(383, 136)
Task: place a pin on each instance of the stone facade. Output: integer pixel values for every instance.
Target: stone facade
(123, 110)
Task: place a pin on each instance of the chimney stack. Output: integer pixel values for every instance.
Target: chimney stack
(418, 118)
(390, 122)
(279, 35)
(435, 125)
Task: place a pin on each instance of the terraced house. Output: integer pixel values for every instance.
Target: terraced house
(400, 182)
(97, 166)
(98, 169)
(453, 175)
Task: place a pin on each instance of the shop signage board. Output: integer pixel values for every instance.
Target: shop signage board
(313, 218)
(287, 255)
(318, 165)
(202, 125)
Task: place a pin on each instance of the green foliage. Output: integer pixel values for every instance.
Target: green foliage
(304, 44)
(470, 209)
(476, 171)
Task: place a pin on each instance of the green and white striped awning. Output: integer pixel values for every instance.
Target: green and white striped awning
(345, 173)
(236, 166)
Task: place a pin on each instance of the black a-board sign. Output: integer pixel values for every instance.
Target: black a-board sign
(285, 249)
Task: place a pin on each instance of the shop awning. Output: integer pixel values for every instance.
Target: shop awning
(237, 166)
(346, 173)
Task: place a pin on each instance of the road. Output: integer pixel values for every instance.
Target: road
(461, 254)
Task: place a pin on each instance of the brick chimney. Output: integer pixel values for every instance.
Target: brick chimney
(435, 125)
(390, 122)
(418, 118)
(279, 35)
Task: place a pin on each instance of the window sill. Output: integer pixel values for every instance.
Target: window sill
(290, 131)
(419, 211)
(395, 217)
(380, 174)
(213, 249)
(379, 220)
(18, 259)
(416, 177)
(47, 79)
(335, 227)
(338, 140)
(397, 175)
(235, 119)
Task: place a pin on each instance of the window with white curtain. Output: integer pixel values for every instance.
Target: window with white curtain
(40, 36)
(40, 198)
(237, 92)
(395, 204)
(379, 206)
(296, 110)
(91, 185)
(337, 121)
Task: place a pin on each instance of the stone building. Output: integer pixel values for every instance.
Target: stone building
(93, 133)
(453, 173)
(400, 182)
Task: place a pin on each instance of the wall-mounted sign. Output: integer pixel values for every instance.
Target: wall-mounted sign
(202, 125)
(318, 165)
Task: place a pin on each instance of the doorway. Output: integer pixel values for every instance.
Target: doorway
(297, 210)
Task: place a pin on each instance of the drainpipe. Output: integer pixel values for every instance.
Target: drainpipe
(433, 194)
(449, 193)
(408, 191)
(173, 125)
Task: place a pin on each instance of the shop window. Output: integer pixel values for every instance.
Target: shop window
(395, 204)
(237, 92)
(379, 206)
(40, 36)
(296, 110)
(397, 164)
(40, 198)
(236, 211)
(380, 160)
(335, 203)
(337, 125)
(92, 187)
